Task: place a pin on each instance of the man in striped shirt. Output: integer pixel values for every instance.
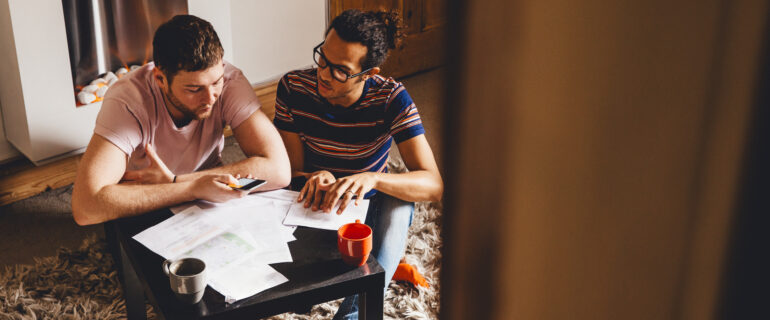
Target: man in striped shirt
(338, 121)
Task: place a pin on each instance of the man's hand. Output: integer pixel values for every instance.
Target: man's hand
(345, 188)
(155, 173)
(318, 182)
(214, 188)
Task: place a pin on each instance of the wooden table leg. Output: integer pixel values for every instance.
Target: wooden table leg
(370, 303)
(132, 289)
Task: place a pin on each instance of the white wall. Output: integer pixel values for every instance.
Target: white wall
(218, 14)
(7, 151)
(273, 37)
(264, 38)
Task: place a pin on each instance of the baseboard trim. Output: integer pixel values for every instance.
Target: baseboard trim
(20, 179)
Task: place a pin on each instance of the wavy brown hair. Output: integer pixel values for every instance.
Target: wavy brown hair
(187, 43)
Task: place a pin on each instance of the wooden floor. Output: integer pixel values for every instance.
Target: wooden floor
(20, 179)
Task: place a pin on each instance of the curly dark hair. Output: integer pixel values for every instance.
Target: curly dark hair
(379, 31)
(187, 43)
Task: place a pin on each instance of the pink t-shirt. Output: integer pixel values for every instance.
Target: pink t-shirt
(134, 113)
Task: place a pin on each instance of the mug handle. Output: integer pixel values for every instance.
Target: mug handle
(165, 267)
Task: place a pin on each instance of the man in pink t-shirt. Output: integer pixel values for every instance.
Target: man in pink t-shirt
(158, 136)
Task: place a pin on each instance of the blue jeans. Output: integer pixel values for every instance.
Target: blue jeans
(390, 219)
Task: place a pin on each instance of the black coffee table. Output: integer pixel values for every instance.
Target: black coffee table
(317, 275)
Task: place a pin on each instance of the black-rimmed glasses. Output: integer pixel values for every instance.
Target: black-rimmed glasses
(337, 72)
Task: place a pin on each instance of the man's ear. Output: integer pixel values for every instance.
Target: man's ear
(160, 77)
(373, 72)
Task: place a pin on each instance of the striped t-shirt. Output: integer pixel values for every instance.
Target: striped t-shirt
(346, 140)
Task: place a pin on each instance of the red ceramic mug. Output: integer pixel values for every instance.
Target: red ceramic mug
(354, 240)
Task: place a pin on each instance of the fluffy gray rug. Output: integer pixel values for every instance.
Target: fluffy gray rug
(74, 284)
(83, 283)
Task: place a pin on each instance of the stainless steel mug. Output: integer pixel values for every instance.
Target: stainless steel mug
(187, 277)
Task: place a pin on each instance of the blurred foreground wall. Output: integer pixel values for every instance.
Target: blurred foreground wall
(595, 155)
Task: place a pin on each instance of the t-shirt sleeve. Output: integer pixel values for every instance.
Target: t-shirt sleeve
(116, 123)
(405, 122)
(239, 100)
(283, 118)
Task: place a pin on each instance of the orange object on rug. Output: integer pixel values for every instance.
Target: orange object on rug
(408, 272)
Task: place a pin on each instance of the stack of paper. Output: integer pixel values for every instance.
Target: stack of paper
(239, 239)
(301, 216)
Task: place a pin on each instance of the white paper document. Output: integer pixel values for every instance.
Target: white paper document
(224, 250)
(246, 280)
(263, 222)
(236, 243)
(280, 194)
(286, 197)
(180, 233)
(301, 216)
(275, 203)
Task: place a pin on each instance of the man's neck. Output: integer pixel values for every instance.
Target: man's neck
(179, 119)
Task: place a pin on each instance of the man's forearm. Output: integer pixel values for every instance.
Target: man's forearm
(124, 200)
(411, 186)
(258, 167)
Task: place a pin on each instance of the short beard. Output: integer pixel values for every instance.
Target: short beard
(188, 115)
